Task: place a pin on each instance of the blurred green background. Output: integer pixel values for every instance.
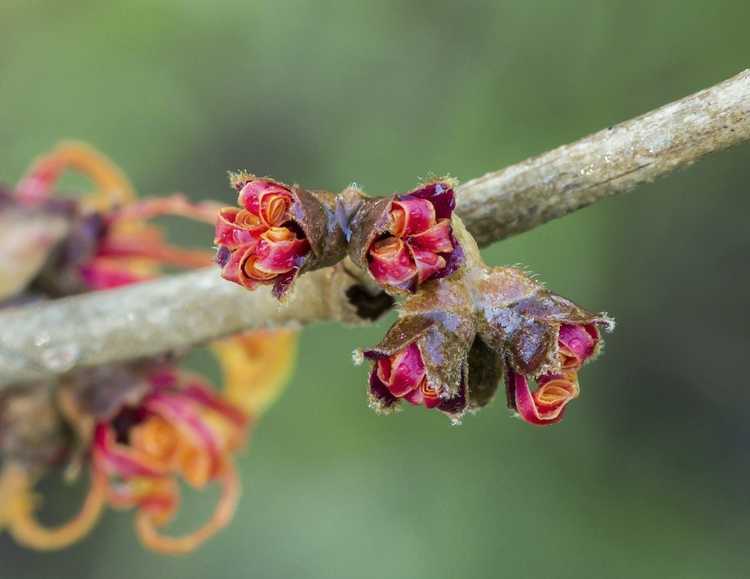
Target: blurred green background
(648, 474)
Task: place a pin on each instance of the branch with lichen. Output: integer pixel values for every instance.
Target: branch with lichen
(181, 311)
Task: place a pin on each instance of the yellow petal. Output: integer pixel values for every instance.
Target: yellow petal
(256, 366)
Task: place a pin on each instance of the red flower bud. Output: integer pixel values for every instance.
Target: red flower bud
(280, 232)
(404, 375)
(433, 357)
(408, 239)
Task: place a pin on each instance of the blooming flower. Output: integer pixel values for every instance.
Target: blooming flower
(180, 430)
(119, 247)
(102, 240)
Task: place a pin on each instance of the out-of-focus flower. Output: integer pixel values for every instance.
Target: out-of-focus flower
(277, 232)
(180, 430)
(407, 240)
(146, 426)
(143, 425)
(112, 186)
(99, 241)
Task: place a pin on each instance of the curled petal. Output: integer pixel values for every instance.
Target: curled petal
(184, 416)
(236, 227)
(113, 188)
(437, 239)
(279, 251)
(577, 344)
(390, 262)
(158, 497)
(428, 264)
(264, 198)
(410, 216)
(231, 270)
(208, 399)
(17, 511)
(555, 390)
(157, 438)
(146, 244)
(177, 205)
(424, 394)
(274, 208)
(147, 525)
(525, 403)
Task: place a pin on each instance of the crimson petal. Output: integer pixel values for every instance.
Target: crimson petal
(417, 215)
(407, 371)
(437, 238)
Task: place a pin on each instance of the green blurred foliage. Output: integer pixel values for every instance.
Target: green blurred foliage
(647, 475)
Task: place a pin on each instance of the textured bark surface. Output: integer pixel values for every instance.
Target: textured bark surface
(611, 161)
(178, 312)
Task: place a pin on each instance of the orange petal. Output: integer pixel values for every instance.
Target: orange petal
(147, 525)
(17, 514)
(113, 187)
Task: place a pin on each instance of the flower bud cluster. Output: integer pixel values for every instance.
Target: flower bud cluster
(458, 335)
(462, 325)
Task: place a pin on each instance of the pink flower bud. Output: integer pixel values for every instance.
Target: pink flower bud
(402, 372)
(407, 240)
(404, 376)
(279, 232)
